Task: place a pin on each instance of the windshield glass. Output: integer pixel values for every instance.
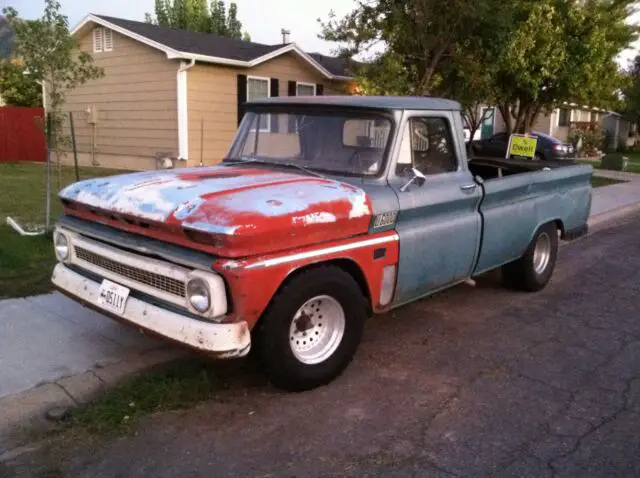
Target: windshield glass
(332, 143)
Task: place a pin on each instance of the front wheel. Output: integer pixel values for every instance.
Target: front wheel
(311, 329)
(533, 271)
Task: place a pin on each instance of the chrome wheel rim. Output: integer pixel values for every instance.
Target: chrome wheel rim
(542, 253)
(317, 329)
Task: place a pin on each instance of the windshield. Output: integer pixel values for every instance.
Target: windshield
(334, 143)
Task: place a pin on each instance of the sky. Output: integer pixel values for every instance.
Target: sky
(263, 24)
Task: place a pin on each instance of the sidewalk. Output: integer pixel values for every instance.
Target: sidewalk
(54, 352)
(610, 202)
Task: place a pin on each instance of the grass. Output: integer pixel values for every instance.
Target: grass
(26, 262)
(632, 167)
(173, 386)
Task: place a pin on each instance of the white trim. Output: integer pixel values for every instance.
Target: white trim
(183, 110)
(268, 80)
(123, 31)
(223, 340)
(323, 252)
(173, 54)
(107, 39)
(97, 35)
(302, 83)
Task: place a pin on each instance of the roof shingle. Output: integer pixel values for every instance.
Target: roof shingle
(210, 44)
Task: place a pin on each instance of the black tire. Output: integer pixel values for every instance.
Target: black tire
(538, 157)
(272, 336)
(522, 274)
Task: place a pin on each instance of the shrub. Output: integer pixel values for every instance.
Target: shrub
(614, 162)
(589, 141)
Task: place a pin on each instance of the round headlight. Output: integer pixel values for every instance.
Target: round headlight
(198, 295)
(61, 246)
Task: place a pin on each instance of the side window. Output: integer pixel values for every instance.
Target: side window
(427, 145)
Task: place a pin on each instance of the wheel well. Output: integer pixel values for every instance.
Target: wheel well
(560, 227)
(347, 265)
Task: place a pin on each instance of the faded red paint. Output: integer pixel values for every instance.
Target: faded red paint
(263, 212)
(252, 289)
(245, 216)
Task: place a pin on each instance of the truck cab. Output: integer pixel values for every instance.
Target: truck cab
(326, 210)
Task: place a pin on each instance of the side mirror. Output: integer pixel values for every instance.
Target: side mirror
(416, 177)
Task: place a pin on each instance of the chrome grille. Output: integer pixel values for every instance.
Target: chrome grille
(157, 281)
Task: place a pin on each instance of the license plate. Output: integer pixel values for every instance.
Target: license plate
(112, 296)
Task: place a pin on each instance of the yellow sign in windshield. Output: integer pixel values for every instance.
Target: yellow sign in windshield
(522, 146)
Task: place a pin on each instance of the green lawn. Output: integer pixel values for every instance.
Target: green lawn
(26, 262)
(632, 167)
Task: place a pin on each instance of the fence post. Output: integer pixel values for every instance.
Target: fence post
(73, 144)
(48, 174)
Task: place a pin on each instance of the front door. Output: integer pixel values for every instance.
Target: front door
(486, 129)
(439, 222)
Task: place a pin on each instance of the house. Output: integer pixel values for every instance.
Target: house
(180, 92)
(561, 121)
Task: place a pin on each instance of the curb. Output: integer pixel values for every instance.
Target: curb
(28, 409)
(604, 219)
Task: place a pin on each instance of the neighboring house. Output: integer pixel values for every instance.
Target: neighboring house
(559, 122)
(162, 86)
(618, 130)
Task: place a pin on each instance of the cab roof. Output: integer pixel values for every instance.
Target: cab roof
(376, 102)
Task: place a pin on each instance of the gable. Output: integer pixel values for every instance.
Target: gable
(210, 48)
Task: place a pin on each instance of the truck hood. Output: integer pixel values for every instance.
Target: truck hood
(235, 211)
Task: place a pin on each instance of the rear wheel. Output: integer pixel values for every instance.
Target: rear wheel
(538, 157)
(533, 271)
(312, 328)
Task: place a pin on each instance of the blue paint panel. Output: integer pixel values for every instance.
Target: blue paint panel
(508, 215)
(439, 228)
(516, 206)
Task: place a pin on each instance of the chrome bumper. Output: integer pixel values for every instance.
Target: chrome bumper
(221, 340)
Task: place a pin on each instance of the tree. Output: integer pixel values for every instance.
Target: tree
(50, 56)
(16, 88)
(421, 34)
(631, 92)
(524, 56)
(195, 15)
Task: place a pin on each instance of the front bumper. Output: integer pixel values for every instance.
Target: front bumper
(220, 340)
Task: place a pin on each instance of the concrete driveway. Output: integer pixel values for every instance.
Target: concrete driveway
(472, 382)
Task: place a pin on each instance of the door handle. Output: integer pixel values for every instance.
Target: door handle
(468, 187)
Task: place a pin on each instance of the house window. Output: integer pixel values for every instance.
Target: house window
(564, 116)
(102, 40)
(305, 89)
(257, 89)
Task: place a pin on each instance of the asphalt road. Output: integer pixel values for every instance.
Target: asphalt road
(472, 382)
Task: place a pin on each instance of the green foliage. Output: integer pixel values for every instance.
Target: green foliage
(614, 162)
(50, 55)
(6, 38)
(632, 91)
(16, 88)
(589, 139)
(195, 15)
(524, 56)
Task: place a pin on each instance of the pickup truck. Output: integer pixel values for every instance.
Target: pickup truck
(325, 211)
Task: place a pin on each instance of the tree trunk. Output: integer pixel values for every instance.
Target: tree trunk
(505, 111)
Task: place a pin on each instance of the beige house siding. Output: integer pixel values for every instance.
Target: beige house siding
(135, 101)
(212, 99)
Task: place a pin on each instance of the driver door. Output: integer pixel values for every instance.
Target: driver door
(439, 222)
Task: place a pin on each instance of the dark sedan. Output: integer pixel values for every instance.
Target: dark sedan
(548, 147)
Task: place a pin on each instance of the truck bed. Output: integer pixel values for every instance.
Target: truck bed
(492, 168)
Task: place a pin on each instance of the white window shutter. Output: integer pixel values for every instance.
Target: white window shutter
(97, 40)
(108, 39)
